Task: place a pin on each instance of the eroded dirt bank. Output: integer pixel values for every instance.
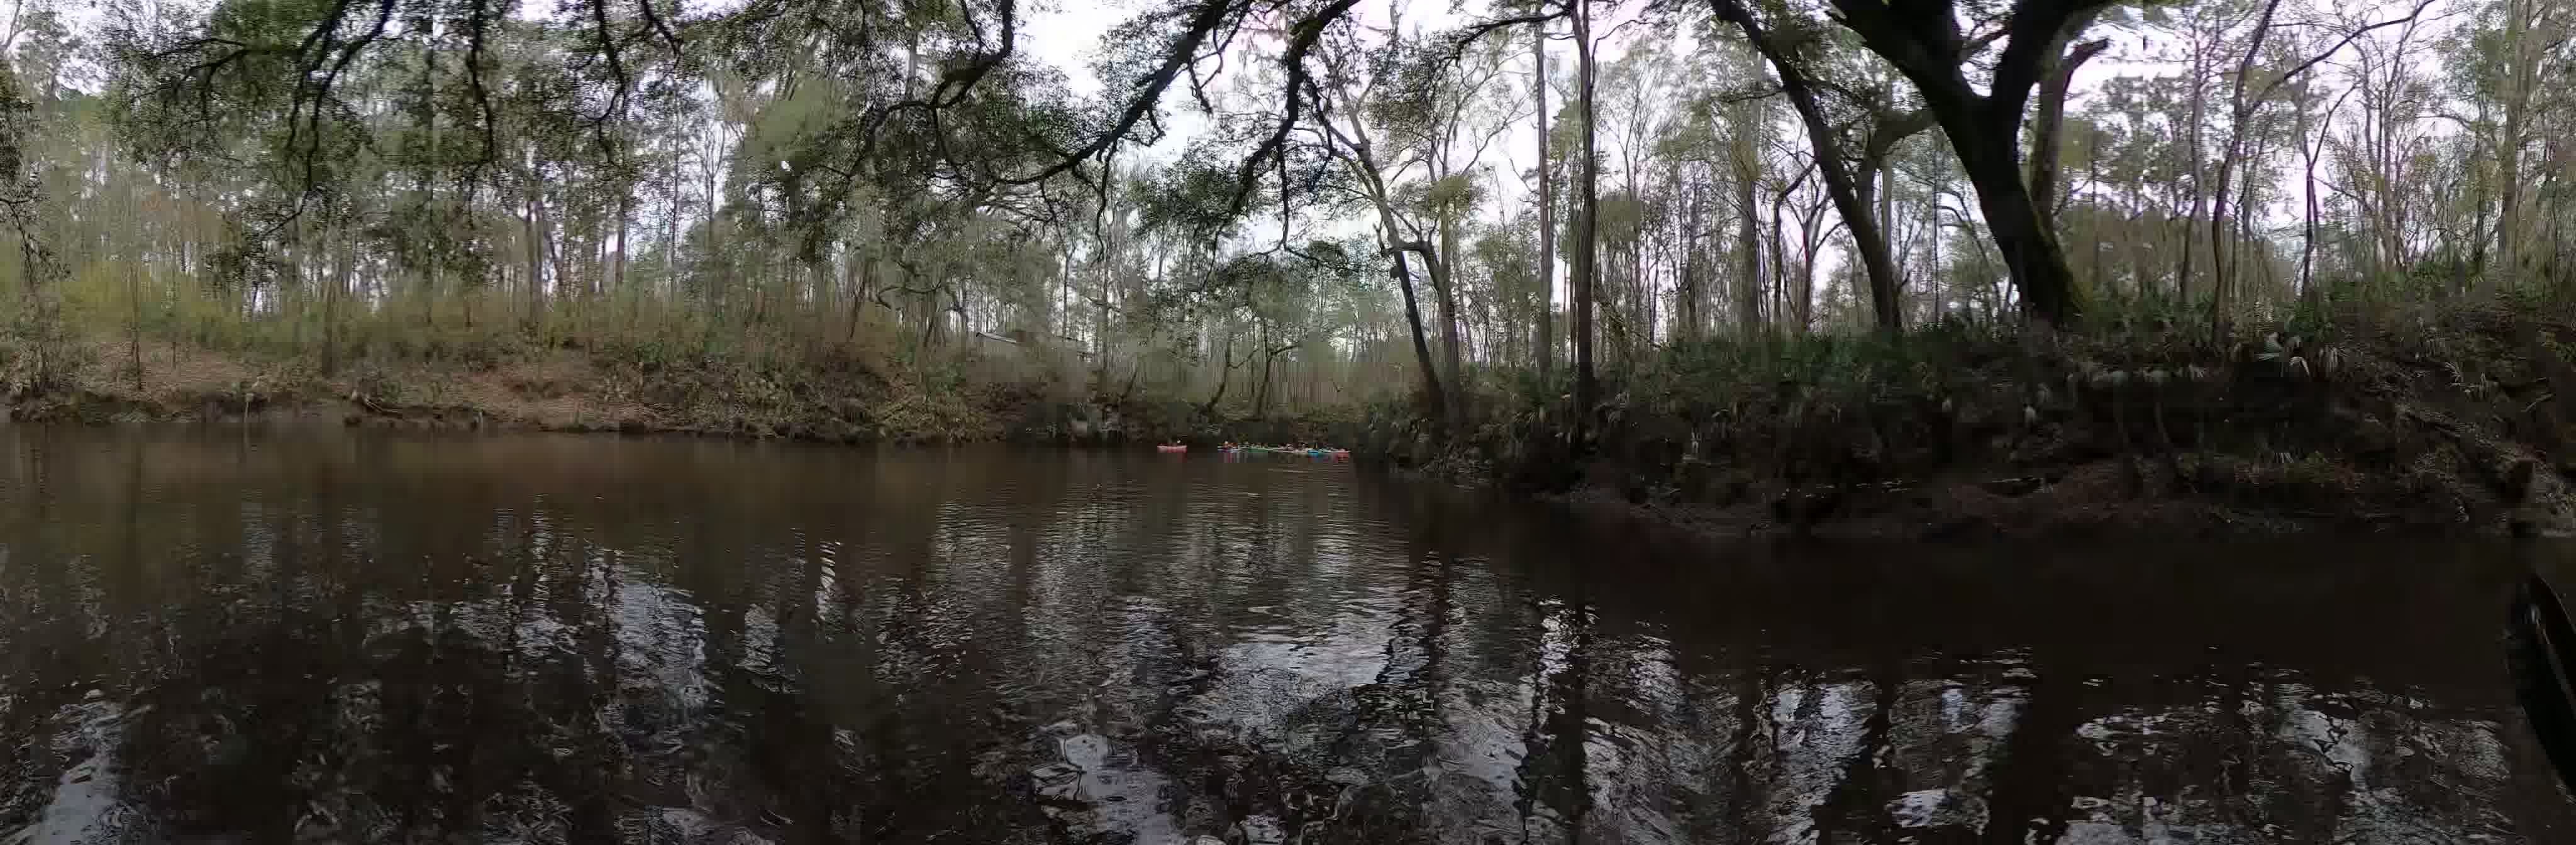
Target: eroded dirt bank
(572, 390)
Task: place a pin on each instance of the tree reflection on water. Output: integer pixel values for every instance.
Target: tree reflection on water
(326, 637)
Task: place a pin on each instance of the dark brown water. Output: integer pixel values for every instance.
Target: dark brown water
(321, 636)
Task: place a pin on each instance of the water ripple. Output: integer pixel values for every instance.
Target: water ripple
(568, 639)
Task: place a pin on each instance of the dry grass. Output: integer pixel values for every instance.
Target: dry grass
(172, 375)
(559, 390)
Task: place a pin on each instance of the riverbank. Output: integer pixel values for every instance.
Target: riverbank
(572, 390)
(2443, 421)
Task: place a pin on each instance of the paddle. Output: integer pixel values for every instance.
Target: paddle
(2537, 640)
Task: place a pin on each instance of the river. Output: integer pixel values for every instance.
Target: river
(212, 635)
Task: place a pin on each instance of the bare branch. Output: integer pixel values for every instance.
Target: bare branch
(1459, 43)
(1302, 41)
(2348, 38)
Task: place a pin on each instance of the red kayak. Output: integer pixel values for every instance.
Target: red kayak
(1170, 448)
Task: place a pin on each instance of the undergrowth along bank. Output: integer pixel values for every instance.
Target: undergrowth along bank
(835, 393)
(2440, 419)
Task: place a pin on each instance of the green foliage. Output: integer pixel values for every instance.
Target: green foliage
(35, 355)
(1194, 199)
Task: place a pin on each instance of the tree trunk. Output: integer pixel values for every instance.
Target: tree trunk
(1846, 192)
(1781, 311)
(2311, 148)
(2046, 135)
(2239, 112)
(854, 275)
(1442, 284)
(342, 269)
(1746, 158)
(1685, 261)
(1923, 42)
(1355, 152)
(1586, 387)
(2099, 277)
(2027, 244)
(1269, 358)
(2199, 193)
(711, 284)
(1435, 401)
(617, 272)
(1932, 249)
(1224, 371)
(671, 237)
(1544, 342)
(1261, 388)
(2529, 48)
(428, 186)
(1887, 212)
(566, 289)
(134, 293)
(536, 260)
(2518, 81)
